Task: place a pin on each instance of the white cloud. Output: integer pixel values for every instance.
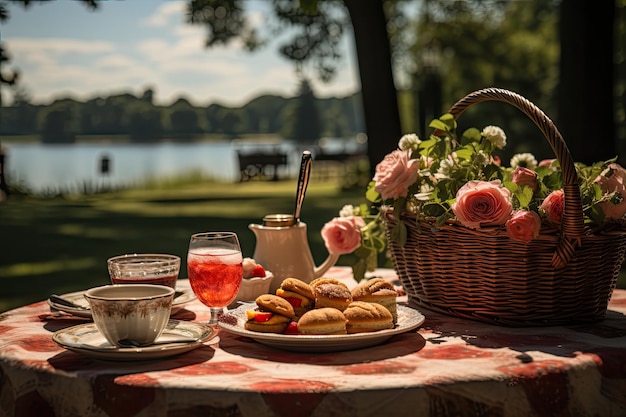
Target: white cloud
(165, 14)
(59, 46)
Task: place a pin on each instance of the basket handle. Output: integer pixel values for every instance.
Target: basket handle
(572, 224)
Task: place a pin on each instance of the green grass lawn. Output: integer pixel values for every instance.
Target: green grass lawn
(61, 245)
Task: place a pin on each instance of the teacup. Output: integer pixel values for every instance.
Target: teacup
(138, 312)
(144, 268)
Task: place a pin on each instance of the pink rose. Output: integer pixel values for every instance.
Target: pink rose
(614, 183)
(553, 206)
(482, 203)
(343, 234)
(395, 173)
(525, 176)
(547, 163)
(523, 226)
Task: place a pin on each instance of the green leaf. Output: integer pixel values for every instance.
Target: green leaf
(554, 181)
(399, 233)
(524, 195)
(371, 194)
(363, 252)
(511, 186)
(399, 205)
(449, 121)
(465, 153)
(596, 214)
(427, 145)
(471, 135)
(433, 209)
(493, 172)
(371, 262)
(439, 125)
(358, 270)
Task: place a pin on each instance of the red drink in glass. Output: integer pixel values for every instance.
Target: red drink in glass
(215, 275)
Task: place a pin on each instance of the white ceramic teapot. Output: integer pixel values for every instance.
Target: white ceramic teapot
(282, 248)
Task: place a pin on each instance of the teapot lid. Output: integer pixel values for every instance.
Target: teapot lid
(279, 220)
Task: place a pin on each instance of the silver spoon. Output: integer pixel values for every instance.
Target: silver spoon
(303, 182)
(134, 343)
(57, 299)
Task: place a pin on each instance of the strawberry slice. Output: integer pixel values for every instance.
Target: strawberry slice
(257, 271)
(292, 328)
(262, 316)
(295, 302)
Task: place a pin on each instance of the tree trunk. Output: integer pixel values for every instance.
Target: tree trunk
(380, 101)
(586, 87)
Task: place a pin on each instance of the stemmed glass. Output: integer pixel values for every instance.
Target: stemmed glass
(215, 269)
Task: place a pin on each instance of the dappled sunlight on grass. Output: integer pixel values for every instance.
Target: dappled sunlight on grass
(61, 244)
(91, 232)
(38, 268)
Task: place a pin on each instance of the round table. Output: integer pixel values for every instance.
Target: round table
(447, 367)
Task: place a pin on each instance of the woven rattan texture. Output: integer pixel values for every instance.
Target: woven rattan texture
(484, 275)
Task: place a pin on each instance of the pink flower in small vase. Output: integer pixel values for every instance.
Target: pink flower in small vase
(395, 174)
(525, 176)
(523, 226)
(553, 206)
(616, 183)
(342, 234)
(482, 203)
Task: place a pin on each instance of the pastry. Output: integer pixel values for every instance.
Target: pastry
(272, 316)
(332, 295)
(275, 304)
(377, 290)
(367, 317)
(324, 280)
(298, 293)
(322, 321)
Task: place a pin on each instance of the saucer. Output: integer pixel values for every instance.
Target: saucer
(183, 295)
(87, 340)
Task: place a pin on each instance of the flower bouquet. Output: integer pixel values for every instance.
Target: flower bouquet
(530, 244)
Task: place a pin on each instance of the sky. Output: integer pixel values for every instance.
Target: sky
(63, 49)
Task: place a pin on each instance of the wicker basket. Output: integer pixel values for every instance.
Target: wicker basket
(565, 276)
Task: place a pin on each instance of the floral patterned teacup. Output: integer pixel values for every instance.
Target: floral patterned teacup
(138, 312)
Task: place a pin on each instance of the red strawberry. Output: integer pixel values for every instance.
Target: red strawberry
(296, 302)
(292, 328)
(262, 316)
(257, 271)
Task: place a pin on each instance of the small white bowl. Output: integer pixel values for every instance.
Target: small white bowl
(131, 311)
(251, 288)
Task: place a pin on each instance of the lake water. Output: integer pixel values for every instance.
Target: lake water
(74, 167)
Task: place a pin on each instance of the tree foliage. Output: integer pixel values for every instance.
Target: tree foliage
(137, 117)
(303, 125)
(476, 44)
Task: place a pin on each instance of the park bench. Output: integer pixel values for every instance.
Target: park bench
(261, 165)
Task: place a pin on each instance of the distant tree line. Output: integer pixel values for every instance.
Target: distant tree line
(303, 118)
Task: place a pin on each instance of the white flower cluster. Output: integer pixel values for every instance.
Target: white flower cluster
(526, 160)
(409, 142)
(495, 135)
(349, 210)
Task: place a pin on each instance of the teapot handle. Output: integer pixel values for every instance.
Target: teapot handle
(326, 265)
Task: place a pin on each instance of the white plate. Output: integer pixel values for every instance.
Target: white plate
(86, 339)
(408, 319)
(183, 295)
